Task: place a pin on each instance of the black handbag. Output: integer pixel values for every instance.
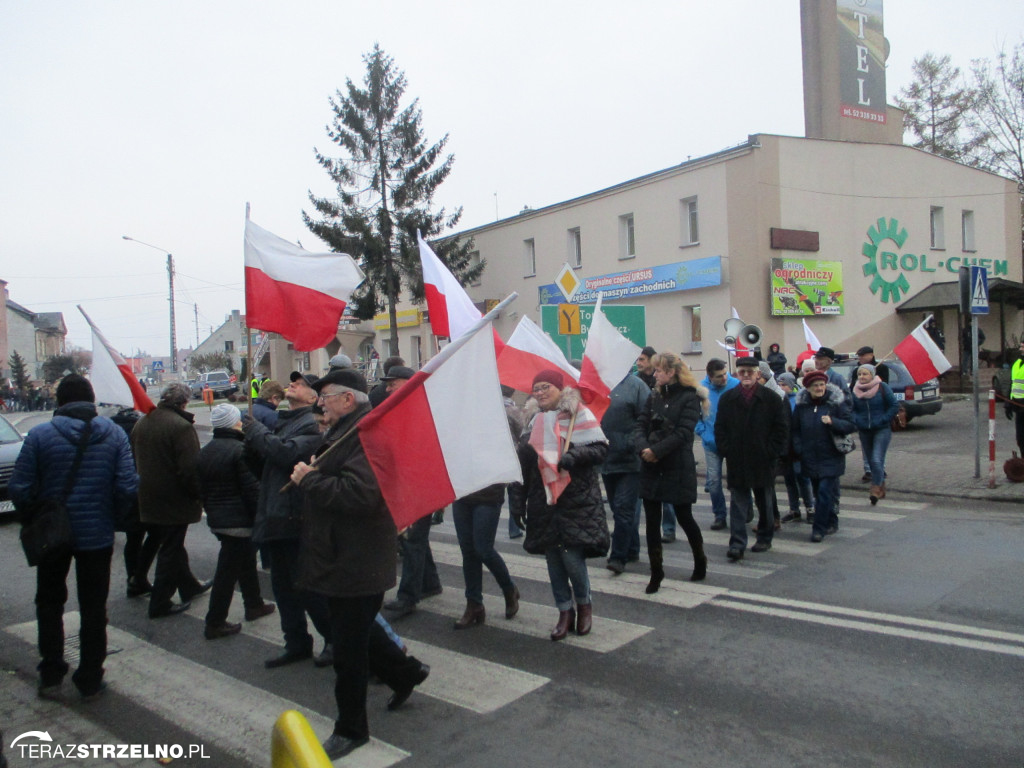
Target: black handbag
(46, 526)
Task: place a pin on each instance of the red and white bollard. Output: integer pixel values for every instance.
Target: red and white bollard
(991, 438)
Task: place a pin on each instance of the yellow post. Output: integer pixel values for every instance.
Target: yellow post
(294, 745)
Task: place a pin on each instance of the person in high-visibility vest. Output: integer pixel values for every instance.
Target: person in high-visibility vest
(1016, 404)
(255, 387)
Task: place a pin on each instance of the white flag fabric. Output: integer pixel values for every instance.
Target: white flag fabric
(607, 359)
(113, 382)
(527, 352)
(452, 312)
(813, 345)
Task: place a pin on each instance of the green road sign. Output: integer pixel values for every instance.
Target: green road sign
(631, 322)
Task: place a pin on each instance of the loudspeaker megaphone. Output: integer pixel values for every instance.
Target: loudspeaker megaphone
(733, 327)
(750, 335)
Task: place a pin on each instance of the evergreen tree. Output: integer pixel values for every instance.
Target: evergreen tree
(55, 366)
(386, 182)
(20, 377)
(936, 104)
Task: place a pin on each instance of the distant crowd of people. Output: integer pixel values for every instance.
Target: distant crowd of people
(31, 398)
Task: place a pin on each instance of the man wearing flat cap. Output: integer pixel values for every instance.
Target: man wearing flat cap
(752, 434)
(347, 554)
(823, 360)
(279, 517)
(866, 356)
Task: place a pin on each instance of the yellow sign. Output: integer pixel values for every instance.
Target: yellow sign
(567, 282)
(569, 319)
(407, 318)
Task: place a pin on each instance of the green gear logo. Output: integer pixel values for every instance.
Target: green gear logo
(878, 234)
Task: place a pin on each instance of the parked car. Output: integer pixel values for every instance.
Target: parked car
(219, 381)
(10, 446)
(917, 399)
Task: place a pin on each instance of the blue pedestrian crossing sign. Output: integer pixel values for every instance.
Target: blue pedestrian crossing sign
(979, 291)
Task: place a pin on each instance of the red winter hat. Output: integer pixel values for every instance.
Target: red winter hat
(812, 376)
(550, 376)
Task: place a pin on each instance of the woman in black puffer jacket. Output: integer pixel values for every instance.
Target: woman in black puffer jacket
(668, 472)
(559, 502)
(230, 492)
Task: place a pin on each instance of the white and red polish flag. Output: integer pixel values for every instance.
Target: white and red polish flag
(294, 292)
(444, 434)
(607, 359)
(813, 345)
(921, 355)
(527, 352)
(113, 380)
(452, 312)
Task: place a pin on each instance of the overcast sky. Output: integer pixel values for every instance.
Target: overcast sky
(161, 120)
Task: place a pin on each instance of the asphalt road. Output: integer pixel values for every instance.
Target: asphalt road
(898, 642)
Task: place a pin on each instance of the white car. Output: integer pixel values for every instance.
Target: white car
(10, 446)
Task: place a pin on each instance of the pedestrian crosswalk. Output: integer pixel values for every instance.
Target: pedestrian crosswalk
(220, 709)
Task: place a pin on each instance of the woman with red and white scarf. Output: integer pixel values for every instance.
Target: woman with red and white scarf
(559, 502)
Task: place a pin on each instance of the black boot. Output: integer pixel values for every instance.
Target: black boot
(700, 563)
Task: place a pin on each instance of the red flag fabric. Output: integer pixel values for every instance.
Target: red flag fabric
(113, 380)
(527, 352)
(444, 434)
(294, 292)
(921, 355)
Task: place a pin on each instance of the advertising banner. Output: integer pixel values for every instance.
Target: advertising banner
(806, 287)
(862, 53)
(637, 283)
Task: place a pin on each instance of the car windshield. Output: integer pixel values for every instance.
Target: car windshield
(8, 434)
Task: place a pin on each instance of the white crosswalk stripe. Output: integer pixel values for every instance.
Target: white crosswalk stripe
(212, 706)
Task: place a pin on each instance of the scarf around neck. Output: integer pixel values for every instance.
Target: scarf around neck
(866, 391)
(547, 437)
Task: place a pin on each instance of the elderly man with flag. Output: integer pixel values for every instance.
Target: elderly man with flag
(347, 553)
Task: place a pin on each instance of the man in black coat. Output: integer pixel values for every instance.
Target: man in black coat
(752, 434)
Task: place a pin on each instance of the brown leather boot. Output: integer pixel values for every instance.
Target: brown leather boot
(875, 494)
(512, 602)
(584, 618)
(882, 489)
(566, 621)
(475, 614)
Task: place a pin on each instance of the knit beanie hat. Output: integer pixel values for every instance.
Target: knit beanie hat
(766, 370)
(787, 379)
(225, 416)
(550, 376)
(813, 376)
(867, 366)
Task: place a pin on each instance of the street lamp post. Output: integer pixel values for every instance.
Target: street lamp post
(170, 298)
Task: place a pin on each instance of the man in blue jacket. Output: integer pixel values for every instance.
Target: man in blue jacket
(105, 482)
(718, 381)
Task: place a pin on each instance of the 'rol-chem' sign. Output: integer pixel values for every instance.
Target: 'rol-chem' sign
(888, 264)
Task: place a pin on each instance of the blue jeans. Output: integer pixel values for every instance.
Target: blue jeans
(476, 525)
(419, 574)
(668, 519)
(565, 565)
(826, 495)
(874, 443)
(622, 489)
(798, 486)
(713, 483)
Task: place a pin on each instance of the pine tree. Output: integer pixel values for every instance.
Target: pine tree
(20, 377)
(936, 104)
(386, 183)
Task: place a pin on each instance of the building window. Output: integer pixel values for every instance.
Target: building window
(627, 237)
(575, 254)
(529, 258)
(416, 352)
(690, 230)
(474, 261)
(967, 229)
(691, 330)
(938, 228)
(229, 346)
